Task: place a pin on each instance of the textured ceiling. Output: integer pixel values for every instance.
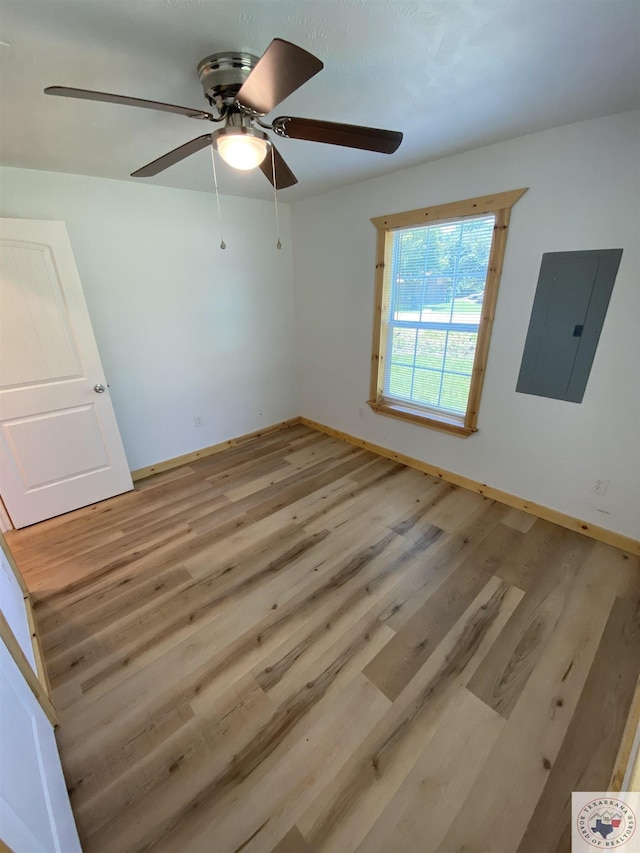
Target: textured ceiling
(451, 74)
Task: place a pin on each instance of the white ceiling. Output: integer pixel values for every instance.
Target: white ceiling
(451, 74)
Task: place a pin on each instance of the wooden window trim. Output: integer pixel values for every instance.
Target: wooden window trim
(500, 205)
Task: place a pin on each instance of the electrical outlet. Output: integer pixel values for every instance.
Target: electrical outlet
(361, 412)
(600, 486)
(197, 420)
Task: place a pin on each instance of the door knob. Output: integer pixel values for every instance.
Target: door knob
(99, 389)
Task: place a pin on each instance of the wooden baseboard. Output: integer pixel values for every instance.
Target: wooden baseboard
(602, 534)
(609, 537)
(36, 642)
(626, 771)
(176, 461)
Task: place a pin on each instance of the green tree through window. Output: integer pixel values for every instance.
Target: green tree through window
(438, 276)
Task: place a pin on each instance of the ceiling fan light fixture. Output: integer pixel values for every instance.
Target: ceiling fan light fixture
(242, 148)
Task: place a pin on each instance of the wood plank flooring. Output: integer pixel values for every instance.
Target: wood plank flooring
(298, 647)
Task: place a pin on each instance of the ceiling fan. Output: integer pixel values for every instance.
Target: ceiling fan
(243, 88)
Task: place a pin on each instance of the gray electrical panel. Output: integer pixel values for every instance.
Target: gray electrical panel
(566, 320)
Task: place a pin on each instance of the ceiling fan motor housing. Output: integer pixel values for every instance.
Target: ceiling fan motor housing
(222, 76)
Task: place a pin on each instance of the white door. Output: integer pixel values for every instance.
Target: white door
(35, 815)
(60, 447)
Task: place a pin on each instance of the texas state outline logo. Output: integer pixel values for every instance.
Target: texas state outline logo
(605, 821)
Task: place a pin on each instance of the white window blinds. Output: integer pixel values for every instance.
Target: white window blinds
(438, 277)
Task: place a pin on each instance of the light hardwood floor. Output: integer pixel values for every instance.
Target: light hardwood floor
(296, 646)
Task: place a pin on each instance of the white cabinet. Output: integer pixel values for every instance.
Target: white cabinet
(12, 606)
(35, 814)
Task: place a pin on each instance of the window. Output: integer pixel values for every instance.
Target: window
(437, 276)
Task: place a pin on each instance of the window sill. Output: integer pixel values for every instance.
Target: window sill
(395, 410)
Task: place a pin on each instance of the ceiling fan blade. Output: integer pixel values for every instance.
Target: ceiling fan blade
(173, 157)
(333, 133)
(88, 95)
(284, 176)
(281, 69)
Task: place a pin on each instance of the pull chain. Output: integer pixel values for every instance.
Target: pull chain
(223, 245)
(275, 196)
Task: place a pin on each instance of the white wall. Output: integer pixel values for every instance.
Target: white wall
(584, 182)
(183, 328)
